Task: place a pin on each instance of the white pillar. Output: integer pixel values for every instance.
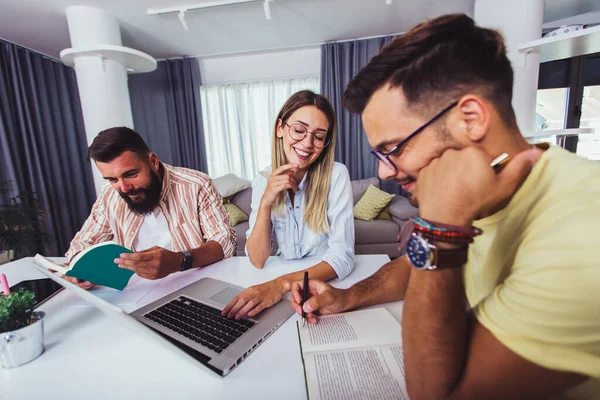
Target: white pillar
(519, 21)
(102, 82)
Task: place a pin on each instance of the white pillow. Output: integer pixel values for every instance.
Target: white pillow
(230, 184)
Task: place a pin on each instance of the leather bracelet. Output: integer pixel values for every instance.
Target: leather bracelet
(438, 226)
(465, 240)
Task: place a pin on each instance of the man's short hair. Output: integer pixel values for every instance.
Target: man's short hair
(436, 63)
(112, 142)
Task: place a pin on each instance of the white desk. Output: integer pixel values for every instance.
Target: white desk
(89, 356)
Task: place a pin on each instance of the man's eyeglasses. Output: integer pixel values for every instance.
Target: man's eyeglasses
(298, 132)
(385, 157)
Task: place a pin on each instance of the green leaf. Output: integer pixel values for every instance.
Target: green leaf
(16, 309)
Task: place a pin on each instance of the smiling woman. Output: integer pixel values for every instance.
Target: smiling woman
(304, 200)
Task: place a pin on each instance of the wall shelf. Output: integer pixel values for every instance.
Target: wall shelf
(559, 132)
(572, 44)
(135, 61)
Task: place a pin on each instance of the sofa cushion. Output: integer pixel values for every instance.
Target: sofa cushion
(401, 208)
(371, 203)
(360, 187)
(230, 184)
(243, 200)
(375, 232)
(236, 215)
(385, 214)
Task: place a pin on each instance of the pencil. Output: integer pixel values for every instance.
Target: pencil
(304, 296)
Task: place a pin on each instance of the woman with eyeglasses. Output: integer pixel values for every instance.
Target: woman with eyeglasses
(304, 200)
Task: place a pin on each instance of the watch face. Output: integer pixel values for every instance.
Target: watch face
(418, 252)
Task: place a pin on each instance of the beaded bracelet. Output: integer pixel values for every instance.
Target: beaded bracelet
(428, 225)
(441, 233)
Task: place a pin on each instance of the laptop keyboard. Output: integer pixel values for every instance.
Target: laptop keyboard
(200, 323)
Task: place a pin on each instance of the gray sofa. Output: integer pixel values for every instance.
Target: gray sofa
(371, 237)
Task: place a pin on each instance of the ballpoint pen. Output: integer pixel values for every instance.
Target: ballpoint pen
(304, 297)
(499, 162)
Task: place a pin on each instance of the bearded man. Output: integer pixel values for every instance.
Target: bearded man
(171, 217)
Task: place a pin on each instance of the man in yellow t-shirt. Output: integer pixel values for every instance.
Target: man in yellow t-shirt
(516, 313)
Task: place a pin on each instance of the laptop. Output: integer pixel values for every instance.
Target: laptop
(189, 319)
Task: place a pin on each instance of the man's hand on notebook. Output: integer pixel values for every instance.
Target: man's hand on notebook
(153, 263)
(324, 299)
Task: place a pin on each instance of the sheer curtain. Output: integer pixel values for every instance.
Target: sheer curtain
(238, 123)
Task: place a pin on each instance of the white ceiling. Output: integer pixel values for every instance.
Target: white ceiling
(41, 24)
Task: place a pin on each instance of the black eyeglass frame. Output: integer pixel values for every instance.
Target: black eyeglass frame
(327, 138)
(385, 157)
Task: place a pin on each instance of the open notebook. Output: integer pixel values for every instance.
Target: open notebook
(355, 355)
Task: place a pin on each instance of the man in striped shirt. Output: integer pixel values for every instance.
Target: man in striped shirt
(172, 217)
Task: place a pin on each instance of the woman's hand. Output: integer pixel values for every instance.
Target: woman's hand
(255, 299)
(281, 179)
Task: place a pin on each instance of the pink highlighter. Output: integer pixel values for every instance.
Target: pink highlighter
(4, 284)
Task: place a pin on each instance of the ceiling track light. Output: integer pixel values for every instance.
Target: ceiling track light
(182, 19)
(267, 7)
(182, 10)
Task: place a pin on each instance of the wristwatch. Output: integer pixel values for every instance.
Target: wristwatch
(188, 260)
(426, 256)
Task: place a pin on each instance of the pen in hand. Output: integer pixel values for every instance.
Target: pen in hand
(499, 162)
(304, 297)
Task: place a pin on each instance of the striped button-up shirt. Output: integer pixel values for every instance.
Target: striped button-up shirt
(189, 201)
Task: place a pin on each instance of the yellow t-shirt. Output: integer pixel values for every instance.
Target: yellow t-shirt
(533, 277)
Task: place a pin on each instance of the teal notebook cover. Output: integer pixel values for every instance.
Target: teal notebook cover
(97, 265)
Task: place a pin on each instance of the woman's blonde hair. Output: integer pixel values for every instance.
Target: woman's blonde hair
(318, 176)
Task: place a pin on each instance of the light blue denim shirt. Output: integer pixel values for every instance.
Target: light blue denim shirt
(294, 237)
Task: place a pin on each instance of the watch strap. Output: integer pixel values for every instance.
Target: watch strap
(450, 258)
(188, 260)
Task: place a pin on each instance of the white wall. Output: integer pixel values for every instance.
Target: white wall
(283, 64)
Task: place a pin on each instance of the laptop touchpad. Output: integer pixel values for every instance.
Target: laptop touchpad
(225, 295)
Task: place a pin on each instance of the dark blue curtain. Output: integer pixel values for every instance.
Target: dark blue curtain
(340, 62)
(43, 146)
(168, 114)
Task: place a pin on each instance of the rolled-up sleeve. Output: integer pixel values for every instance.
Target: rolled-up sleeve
(340, 214)
(95, 229)
(214, 220)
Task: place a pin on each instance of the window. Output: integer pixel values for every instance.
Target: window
(569, 97)
(551, 110)
(238, 123)
(589, 145)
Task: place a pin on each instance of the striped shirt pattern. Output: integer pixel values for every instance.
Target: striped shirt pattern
(189, 201)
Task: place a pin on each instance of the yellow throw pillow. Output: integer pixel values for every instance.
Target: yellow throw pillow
(385, 214)
(371, 203)
(236, 215)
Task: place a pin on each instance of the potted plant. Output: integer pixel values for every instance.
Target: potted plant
(21, 329)
(22, 230)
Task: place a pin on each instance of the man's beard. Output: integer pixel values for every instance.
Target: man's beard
(151, 196)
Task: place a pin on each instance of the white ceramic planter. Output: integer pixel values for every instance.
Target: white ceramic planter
(23, 345)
